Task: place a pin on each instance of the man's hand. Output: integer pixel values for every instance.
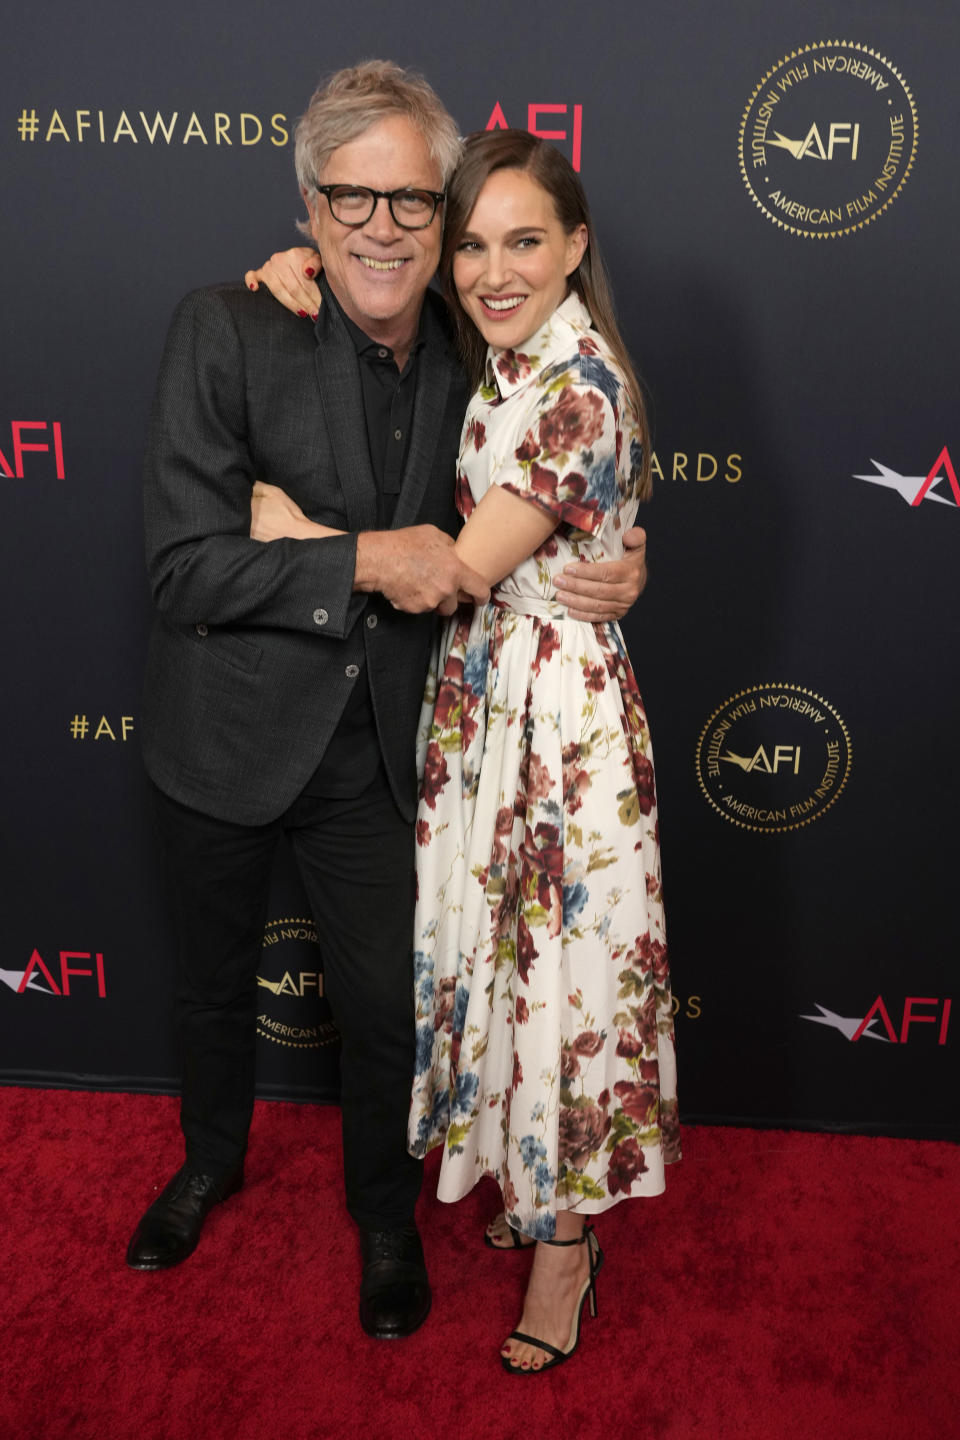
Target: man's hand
(417, 569)
(288, 275)
(607, 590)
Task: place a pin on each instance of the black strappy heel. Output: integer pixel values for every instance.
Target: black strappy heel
(589, 1292)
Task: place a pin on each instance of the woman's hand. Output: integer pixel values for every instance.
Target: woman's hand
(274, 516)
(288, 275)
(607, 590)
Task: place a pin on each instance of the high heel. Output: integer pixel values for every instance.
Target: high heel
(589, 1292)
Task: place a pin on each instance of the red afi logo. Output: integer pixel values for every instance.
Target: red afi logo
(30, 980)
(499, 121)
(21, 446)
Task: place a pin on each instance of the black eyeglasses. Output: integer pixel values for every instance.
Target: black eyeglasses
(355, 204)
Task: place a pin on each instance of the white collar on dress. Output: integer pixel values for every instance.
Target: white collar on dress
(509, 370)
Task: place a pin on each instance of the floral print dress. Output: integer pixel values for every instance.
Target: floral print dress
(545, 1046)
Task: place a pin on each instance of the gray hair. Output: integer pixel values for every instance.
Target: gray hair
(351, 101)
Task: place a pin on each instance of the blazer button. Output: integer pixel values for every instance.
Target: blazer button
(202, 629)
(352, 671)
(371, 622)
(320, 617)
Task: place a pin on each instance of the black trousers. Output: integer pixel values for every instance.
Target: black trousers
(356, 859)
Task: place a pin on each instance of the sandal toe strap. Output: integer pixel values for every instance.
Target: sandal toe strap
(540, 1344)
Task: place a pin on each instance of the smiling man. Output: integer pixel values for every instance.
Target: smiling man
(284, 680)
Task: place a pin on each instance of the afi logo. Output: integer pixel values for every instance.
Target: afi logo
(21, 446)
(915, 488)
(499, 121)
(812, 145)
(29, 979)
(308, 980)
(879, 1016)
(789, 755)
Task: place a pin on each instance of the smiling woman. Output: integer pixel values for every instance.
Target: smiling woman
(511, 265)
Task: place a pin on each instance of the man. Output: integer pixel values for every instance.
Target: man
(284, 680)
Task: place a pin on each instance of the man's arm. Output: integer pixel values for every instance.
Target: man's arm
(198, 478)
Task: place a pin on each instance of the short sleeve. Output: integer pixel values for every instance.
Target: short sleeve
(565, 459)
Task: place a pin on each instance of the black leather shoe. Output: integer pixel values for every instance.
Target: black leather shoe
(394, 1292)
(170, 1229)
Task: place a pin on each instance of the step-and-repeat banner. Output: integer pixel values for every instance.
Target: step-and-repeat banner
(775, 188)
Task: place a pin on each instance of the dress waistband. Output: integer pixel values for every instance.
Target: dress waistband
(529, 605)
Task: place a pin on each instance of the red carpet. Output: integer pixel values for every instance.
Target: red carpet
(787, 1286)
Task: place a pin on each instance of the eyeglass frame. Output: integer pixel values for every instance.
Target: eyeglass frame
(437, 196)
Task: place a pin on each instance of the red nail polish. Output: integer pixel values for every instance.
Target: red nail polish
(316, 316)
(310, 272)
(302, 314)
(251, 287)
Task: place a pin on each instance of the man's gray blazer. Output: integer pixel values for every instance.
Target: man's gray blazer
(253, 647)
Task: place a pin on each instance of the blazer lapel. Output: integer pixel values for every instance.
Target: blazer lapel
(338, 376)
(433, 387)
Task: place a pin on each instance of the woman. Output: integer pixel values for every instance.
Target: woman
(545, 1036)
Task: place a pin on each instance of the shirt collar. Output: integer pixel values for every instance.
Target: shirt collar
(510, 370)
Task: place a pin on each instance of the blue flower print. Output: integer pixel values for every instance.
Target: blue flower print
(475, 669)
(467, 1086)
(424, 1046)
(602, 484)
(596, 372)
(532, 1150)
(460, 1009)
(574, 899)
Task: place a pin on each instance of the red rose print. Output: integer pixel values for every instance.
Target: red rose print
(502, 827)
(589, 1043)
(435, 774)
(475, 434)
(521, 1013)
(576, 780)
(573, 423)
(569, 1064)
(596, 677)
(626, 1163)
(464, 496)
(643, 778)
(423, 832)
(547, 645)
(526, 950)
(539, 783)
(528, 449)
(638, 1101)
(629, 1046)
(582, 1130)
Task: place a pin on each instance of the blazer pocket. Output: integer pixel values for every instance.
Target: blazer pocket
(223, 645)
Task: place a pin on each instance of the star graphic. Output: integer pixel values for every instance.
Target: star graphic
(905, 485)
(14, 978)
(847, 1026)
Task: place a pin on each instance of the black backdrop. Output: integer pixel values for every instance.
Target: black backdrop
(775, 188)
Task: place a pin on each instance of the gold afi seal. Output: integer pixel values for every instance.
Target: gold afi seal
(292, 1010)
(828, 139)
(774, 757)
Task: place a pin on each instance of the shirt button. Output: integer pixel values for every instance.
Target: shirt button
(202, 629)
(320, 617)
(383, 353)
(352, 671)
(398, 434)
(371, 622)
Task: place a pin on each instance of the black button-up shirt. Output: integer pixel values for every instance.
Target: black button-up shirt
(351, 758)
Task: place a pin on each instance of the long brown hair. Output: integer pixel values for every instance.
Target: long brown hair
(485, 152)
